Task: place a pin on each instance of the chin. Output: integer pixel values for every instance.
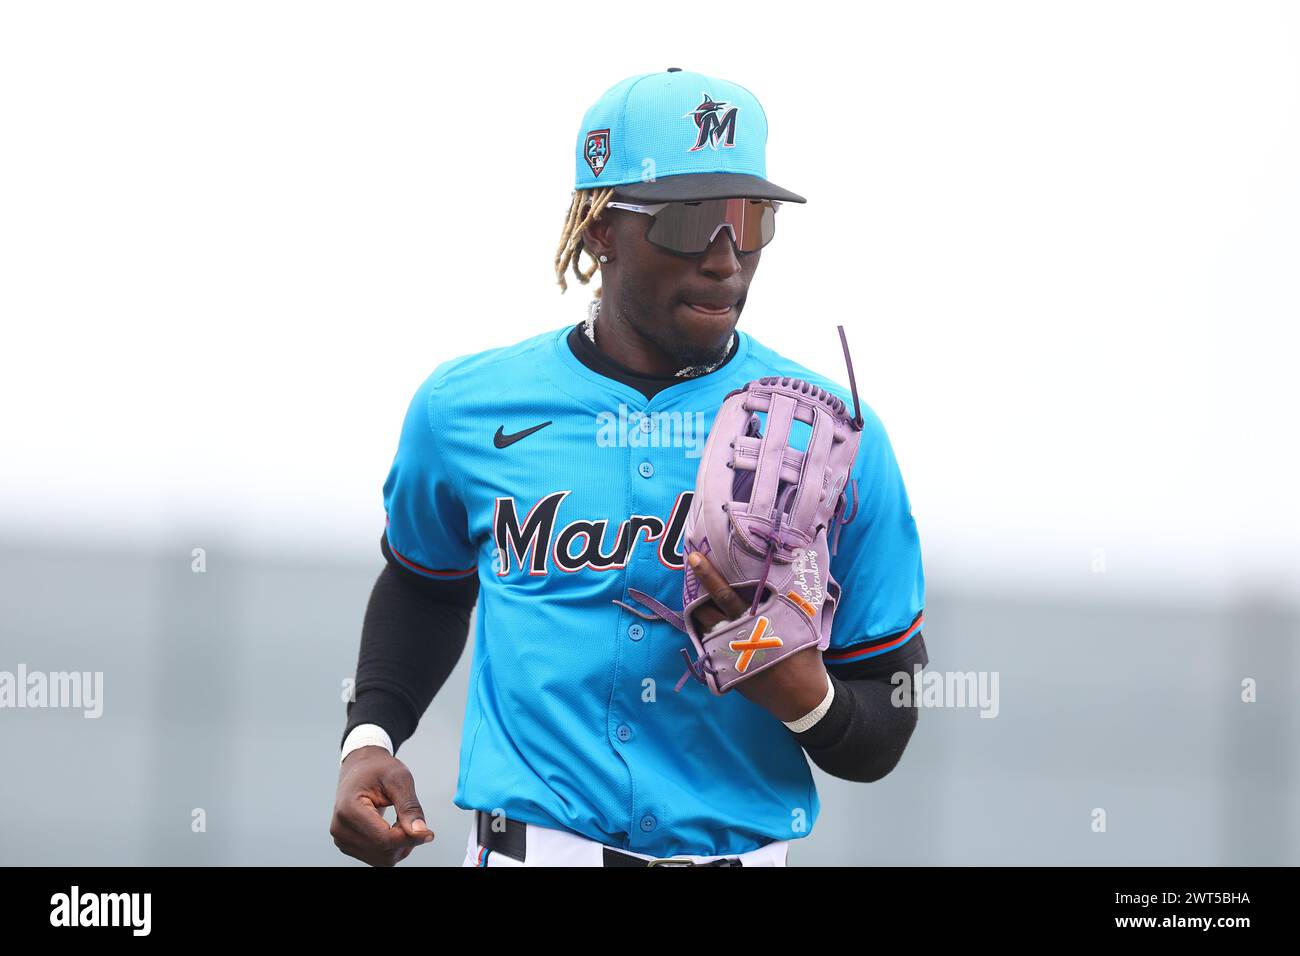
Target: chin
(698, 353)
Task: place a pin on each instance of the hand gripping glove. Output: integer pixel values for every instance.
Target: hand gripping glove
(762, 513)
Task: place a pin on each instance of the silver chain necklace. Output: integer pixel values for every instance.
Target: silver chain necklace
(691, 371)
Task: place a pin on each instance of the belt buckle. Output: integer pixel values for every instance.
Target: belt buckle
(671, 861)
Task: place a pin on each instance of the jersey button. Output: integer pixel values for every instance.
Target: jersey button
(624, 733)
(636, 632)
(646, 469)
(648, 822)
(646, 425)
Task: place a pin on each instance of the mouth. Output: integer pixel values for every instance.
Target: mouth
(714, 310)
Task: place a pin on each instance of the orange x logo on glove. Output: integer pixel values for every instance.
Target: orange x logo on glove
(755, 642)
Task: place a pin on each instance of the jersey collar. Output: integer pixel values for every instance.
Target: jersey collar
(687, 386)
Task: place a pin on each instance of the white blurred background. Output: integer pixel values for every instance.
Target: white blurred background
(1064, 239)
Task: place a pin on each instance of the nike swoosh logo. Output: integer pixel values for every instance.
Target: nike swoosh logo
(502, 440)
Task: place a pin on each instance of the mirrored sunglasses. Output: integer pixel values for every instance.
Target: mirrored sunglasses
(690, 227)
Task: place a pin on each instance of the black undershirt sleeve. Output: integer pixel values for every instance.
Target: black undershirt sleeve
(863, 735)
(413, 634)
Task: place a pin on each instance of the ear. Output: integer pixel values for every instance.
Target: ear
(598, 237)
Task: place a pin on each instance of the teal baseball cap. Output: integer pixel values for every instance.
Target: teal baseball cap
(677, 136)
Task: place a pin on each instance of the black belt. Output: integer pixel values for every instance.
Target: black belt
(510, 838)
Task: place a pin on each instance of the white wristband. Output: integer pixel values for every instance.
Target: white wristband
(817, 713)
(366, 735)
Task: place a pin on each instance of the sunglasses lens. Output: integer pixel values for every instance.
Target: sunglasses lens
(691, 227)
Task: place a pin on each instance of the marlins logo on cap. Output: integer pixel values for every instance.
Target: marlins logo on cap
(711, 128)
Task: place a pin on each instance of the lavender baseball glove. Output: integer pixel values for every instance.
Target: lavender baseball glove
(767, 516)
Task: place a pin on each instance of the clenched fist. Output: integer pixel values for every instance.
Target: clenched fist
(370, 780)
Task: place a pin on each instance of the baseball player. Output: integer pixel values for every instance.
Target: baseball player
(548, 479)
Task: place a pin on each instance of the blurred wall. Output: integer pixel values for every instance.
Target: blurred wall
(222, 692)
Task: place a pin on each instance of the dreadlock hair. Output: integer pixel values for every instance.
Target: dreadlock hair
(584, 209)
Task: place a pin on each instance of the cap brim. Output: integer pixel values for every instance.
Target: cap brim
(694, 187)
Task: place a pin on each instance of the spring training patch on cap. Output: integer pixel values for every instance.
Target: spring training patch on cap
(596, 150)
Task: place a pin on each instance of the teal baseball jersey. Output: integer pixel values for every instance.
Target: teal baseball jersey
(561, 488)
